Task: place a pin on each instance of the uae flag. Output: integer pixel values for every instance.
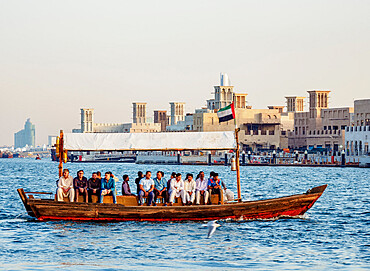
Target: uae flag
(226, 113)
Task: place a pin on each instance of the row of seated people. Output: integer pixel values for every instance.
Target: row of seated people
(150, 189)
(74, 187)
(189, 190)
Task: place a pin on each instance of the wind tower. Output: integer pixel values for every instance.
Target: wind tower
(177, 112)
(295, 103)
(87, 120)
(139, 113)
(224, 93)
(318, 100)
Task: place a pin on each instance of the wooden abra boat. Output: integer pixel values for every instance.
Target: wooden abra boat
(290, 206)
(127, 209)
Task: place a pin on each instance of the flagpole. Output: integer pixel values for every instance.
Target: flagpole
(237, 154)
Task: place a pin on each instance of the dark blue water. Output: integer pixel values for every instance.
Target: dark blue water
(334, 234)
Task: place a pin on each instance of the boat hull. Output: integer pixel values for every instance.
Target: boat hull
(289, 206)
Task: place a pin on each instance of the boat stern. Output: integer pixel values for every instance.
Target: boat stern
(24, 199)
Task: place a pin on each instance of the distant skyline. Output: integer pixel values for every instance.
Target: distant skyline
(57, 57)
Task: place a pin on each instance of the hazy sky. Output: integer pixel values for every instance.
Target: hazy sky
(59, 56)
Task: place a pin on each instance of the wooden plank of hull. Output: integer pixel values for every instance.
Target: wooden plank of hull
(262, 209)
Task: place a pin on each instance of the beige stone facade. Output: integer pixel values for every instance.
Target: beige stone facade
(320, 127)
(260, 128)
(295, 103)
(89, 126)
(362, 113)
(141, 128)
(160, 116)
(224, 95)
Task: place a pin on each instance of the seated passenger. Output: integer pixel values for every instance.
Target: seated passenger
(140, 175)
(94, 186)
(98, 173)
(116, 180)
(201, 188)
(189, 189)
(214, 187)
(177, 189)
(173, 176)
(65, 187)
(80, 185)
(160, 187)
(108, 187)
(126, 191)
(146, 189)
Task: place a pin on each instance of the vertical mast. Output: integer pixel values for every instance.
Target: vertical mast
(61, 151)
(237, 156)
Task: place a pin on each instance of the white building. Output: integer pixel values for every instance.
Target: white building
(357, 137)
(185, 125)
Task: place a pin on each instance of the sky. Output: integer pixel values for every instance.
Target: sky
(59, 56)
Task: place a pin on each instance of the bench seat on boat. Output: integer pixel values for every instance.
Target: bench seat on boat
(133, 200)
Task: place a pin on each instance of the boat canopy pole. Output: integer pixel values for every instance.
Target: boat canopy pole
(60, 152)
(237, 159)
(237, 164)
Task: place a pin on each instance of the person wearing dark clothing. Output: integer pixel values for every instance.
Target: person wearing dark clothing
(140, 175)
(80, 185)
(126, 191)
(98, 174)
(94, 186)
(214, 187)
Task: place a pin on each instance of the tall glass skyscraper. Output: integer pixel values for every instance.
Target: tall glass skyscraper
(26, 136)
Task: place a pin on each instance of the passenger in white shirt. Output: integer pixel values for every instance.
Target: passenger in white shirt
(177, 189)
(146, 189)
(201, 188)
(65, 187)
(189, 188)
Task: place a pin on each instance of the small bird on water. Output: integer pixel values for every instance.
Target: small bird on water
(211, 225)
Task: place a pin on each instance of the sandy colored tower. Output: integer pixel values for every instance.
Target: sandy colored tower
(139, 113)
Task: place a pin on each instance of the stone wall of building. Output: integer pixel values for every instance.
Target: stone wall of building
(320, 127)
(160, 116)
(362, 112)
(260, 128)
